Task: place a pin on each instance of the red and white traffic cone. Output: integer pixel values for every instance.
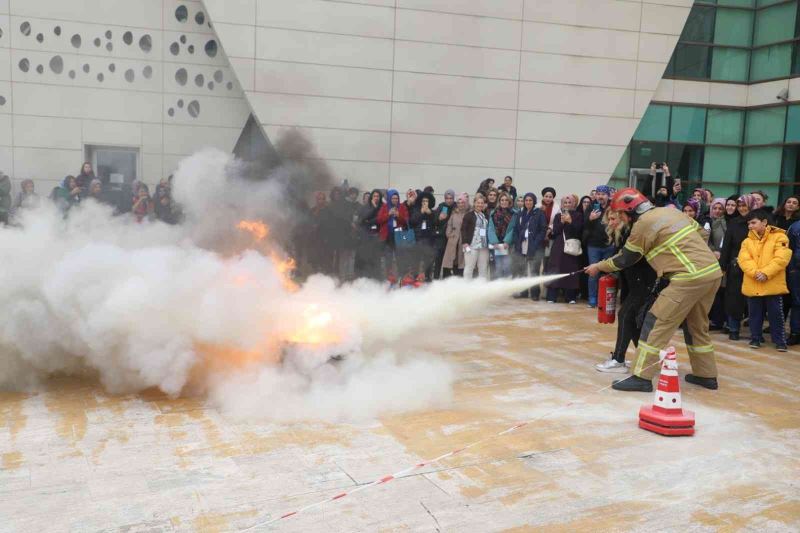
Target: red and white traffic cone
(666, 416)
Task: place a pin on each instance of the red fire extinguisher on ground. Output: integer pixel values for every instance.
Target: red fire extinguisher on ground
(607, 299)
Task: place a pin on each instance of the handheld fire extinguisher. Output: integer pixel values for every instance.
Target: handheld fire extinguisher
(607, 299)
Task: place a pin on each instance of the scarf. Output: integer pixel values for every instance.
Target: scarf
(389, 194)
(501, 218)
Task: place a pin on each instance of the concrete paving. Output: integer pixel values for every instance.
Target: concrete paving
(75, 459)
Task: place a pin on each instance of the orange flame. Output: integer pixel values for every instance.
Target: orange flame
(256, 228)
(317, 328)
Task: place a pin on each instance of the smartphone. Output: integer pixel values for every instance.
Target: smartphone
(596, 206)
(445, 209)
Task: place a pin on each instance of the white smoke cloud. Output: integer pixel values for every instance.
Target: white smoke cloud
(144, 305)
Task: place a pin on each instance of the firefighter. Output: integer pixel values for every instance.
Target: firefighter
(675, 247)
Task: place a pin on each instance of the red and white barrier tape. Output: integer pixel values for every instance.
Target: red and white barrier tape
(407, 471)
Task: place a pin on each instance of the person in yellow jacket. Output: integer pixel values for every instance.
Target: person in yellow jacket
(763, 258)
(676, 248)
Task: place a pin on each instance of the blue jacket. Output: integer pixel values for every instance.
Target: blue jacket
(794, 244)
(509, 236)
(537, 229)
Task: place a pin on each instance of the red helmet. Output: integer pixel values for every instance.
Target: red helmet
(630, 200)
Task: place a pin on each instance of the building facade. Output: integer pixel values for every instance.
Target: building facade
(392, 92)
(727, 113)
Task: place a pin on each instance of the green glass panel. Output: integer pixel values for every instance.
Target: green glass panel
(730, 64)
(775, 24)
(644, 152)
(793, 124)
(654, 125)
(722, 191)
(734, 27)
(762, 3)
(771, 62)
(724, 126)
(690, 61)
(737, 3)
(700, 25)
(688, 124)
(765, 126)
(721, 164)
(762, 164)
(686, 161)
(622, 167)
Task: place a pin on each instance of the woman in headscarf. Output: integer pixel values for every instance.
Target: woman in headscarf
(453, 260)
(368, 253)
(67, 195)
(318, 252)
(568, 224)
(443, 214)
(491, 199)
(730, 207)
(719, 225)
(501, 235)
(392, 218)
(736, 233)
(788, 213)
(550, 211)
(424, 221)
(529, 244)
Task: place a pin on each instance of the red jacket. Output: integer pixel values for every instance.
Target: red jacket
(383, 219)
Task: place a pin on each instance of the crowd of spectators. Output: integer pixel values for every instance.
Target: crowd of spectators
(497, 233)
(128, 198)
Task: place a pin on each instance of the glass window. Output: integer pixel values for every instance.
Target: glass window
(791, 165)
(116, 166)
(690, 61)
(724, 126)
(775, 24)
(721, 164)
(762, 3)
(688, 124)
(686, 161)
(700, 25)
(760, 165)
(734, 27)
(722, 191)
(765, 126)
(622, 167)
(730, 64)
(643, 153)
(654, 125)
(737, 3)
(771, 62)
(793, 124)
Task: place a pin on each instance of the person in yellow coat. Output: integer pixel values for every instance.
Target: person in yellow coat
(763, 258)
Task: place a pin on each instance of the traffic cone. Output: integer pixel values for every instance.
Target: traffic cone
(665, 416)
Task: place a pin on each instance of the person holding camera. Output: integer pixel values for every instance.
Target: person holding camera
(596, 237)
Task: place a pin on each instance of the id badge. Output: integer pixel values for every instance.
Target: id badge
(482, 232)
(526, 234)
(424, 225)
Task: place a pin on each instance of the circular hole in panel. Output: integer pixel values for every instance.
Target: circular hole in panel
(211, 86)
(100, 77)
(24, 64)
(127, 38)
(57, 64)
(181, 76)
(57, 30)
(218, 76)
(171, 112)
(193, 108)
(97, 42)
(25, 28)
(76, 41)
(40, 69)
(180, 103)
(183, 39)
(129, 75)
(146, 43)
(109, 46)
(86, 68)
(108, 34)
(40, 37)
(112, 68)
(182, 14)
(199, 80)
(147, 72)
(211, 48)
(229, 85)
(191, 49)
(200, 18)
(72, 74)
(2, 100)
(174, 49)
